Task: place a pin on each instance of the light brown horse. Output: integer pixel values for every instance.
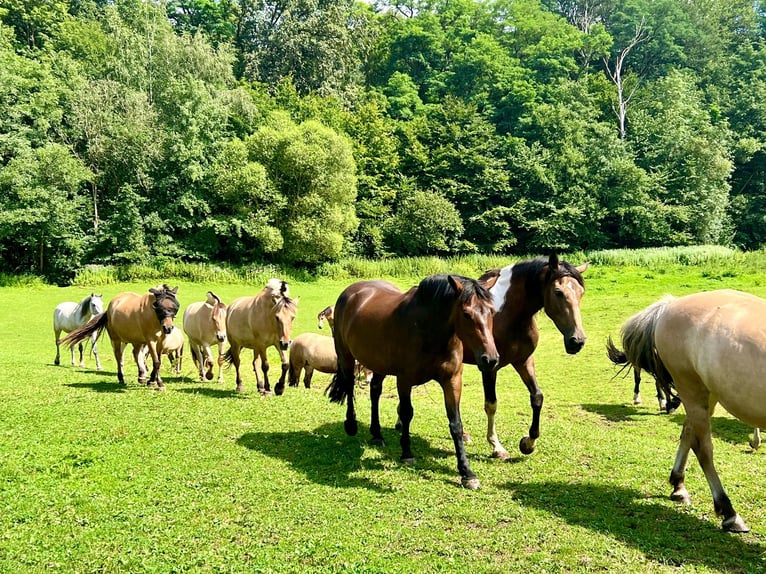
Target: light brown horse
(258, 323)
(205, 325)
(712, 347)
(416, 336)
(311, 352)
(326, 314)
(138, 320)
(519, 291)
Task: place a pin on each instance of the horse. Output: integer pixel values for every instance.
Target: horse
(711, 347)
(310, 352)
(667, 399)
(326, 314)
(171, 345)
(205, 324)
(139, 320)
(417, 336)
(69, 316)
(258, 323)
(519, 291)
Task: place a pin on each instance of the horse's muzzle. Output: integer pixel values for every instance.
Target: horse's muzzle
(284, 346)
(220, 338)
(573, 345)
(487, 363)
(167, 329)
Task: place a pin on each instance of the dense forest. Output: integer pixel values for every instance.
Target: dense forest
(302, 131)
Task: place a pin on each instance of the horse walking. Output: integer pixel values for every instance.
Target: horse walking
(519, 291)
(69, 316)
(416, 336)
(258, 323)
(712, 348)
(205, 325)
(138, 320)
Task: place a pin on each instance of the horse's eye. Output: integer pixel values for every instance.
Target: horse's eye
(559, 294)
(467, 315)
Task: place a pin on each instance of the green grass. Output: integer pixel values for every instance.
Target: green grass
(98, 478)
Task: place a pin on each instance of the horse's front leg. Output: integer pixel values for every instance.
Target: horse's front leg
(140, 358)
(406, 412)
(285, 363)
(526, 371)
(489, 381)
(453, 389)
(118, 349)
(220, 361)
(376, 390)
(263, 383)
(79, 348)
(156, 364)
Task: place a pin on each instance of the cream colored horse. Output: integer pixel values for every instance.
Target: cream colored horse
(205, 325)
(259, 322)
(138, 320)
(712, 347)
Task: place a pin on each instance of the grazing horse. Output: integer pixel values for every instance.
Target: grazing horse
(666, 398)
(205, 325)
(326, 314)
(519, 291)
(416, 336)
(712, 348)
(139, 320)
(258, 323)
(69, 316)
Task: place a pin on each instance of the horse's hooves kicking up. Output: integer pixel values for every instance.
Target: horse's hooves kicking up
(470, 483)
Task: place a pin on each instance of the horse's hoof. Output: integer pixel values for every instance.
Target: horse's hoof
(99, 368)
(502, 454)
(142, 381)
(209, 376)
(527, 445)
(408, 460)
(681, 495)
(57, 362)
(735, 524)
(160, 388)
(471, 483)
(377, 442)
(279, 390)
(350, 427)
(239, 389)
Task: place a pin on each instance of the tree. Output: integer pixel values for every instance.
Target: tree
(426, 223)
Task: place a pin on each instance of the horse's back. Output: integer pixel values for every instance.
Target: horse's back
(131, 318)
(315, 350)
(196, 324)
(244, 323)
(719, 339)
(64, 318)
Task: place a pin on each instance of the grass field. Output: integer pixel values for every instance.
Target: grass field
(99, 478)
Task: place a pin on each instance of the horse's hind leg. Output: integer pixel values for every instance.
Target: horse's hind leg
(234, 351)
(57, 360)
(307, 375)
(636, 386)
(139, 358)
(489, 380)
(118, 349)
(406, 412)
(755, 442)
(94, 338)
(376, 389)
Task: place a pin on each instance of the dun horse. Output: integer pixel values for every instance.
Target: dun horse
(519, 291)
(416, 336)
(326, 314)
(69, 316)
(205, 325)
(712, 347)
(138, 320)
(258, 323)
(311, 352)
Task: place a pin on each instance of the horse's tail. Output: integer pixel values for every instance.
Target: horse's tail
(96, 325)
(341, 386)
(638, 341)
(228, 358)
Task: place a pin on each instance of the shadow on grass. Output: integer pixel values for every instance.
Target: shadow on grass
(218, 393)
(663, 533)
(618, 413)
(100, 386)
(328, 456)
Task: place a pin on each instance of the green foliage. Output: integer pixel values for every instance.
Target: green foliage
(425, 223)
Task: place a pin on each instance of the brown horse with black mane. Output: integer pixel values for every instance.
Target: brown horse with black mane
(416, 336)
(138, 320)
(519, 291)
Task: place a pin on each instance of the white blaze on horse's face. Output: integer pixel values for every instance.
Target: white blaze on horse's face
(500, 289)
(96, 304)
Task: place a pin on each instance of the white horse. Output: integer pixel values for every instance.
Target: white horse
(69, 316)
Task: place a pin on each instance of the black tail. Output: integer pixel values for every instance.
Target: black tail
(96, 325)
(340, 387)
(228, 358)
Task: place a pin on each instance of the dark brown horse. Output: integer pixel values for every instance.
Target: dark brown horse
(519, 291)
(416, 336)
(139, 320)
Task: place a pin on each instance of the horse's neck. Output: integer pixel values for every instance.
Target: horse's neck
(521, 305)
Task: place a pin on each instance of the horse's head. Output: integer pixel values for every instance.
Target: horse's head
(284, 309)
(96, 304)
(218, 315)
(165, 306)
(326, 314)
(473, 320)
(563, 288)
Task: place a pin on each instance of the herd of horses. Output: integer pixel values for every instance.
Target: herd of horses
(702, 349)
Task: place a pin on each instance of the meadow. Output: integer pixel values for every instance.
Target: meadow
(95, 477)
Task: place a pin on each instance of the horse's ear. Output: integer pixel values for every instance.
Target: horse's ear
(583, 267)
(174, 290)
(154, 291)
(489, 282)
(456, 285)
(212, 298)
(553, 261)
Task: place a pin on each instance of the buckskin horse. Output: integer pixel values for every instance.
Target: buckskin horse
(69, 316)
(138, 320)
(519, 291)
(416, 336)
(259, 322)
(205, 325)
(711, 347)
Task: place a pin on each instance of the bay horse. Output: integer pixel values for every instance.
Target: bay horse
(519, 291)
(416, 336)
(711, 347)
(138, 320)
(259, 322)
(326, 314)
(68, 316)
(205, 324)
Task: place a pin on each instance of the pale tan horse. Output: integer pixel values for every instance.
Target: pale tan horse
(712, 347)
(137, 320)
(259, 322)
(205, 325)
(171, 345)
(310, 352)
